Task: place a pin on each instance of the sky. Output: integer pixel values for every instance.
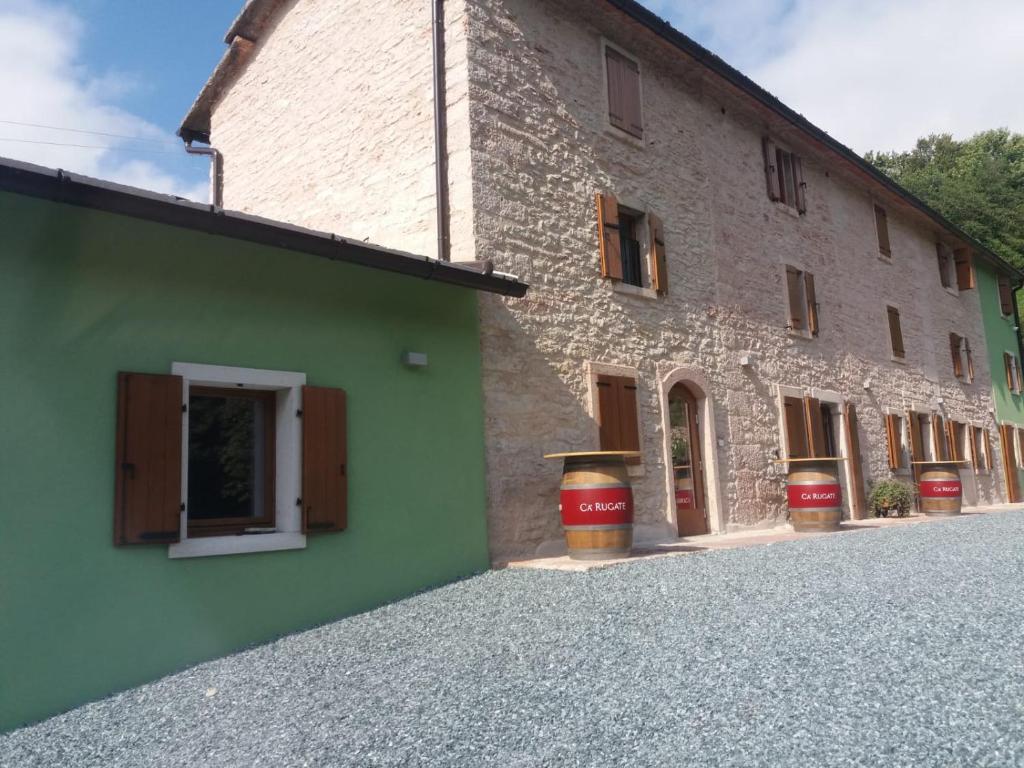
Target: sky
(115, 77)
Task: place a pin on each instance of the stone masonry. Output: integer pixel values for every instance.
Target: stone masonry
(329, 126)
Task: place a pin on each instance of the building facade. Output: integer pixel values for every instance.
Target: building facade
(199, 383)
(714, 281)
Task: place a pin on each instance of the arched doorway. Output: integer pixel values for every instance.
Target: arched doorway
(687, 462)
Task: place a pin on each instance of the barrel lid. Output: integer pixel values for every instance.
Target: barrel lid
(575, 454)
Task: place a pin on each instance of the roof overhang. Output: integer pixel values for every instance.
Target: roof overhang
(73, 189)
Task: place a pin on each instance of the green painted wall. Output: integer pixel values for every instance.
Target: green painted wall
(1000, 337)
(85, 294)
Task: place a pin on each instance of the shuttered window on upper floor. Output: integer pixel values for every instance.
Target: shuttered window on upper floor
(882, 230)
(631, 245)
(895, 332)
(784, 175)
(1012, 368)
(802, 301)
(1005, 296)
(624, 103)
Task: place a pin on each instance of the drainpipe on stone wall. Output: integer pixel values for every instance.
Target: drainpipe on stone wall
(440, 134)
(216, 171)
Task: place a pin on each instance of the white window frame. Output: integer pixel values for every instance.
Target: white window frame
(287, 465)
(614, 130)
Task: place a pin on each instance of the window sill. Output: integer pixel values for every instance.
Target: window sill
(805, 335)
(951, 291)
(786, 208)
(886, 259)
(208, 546)
(900, 360)
(633, 290)
(622, 135)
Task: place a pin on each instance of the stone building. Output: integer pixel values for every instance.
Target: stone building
(714, 280)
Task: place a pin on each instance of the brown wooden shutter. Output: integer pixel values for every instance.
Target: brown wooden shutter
(812, 303)
(988, 449)
(1016, 370)
(940, 253)
(896, 332)
(815, 427)
(609, 420)
(608, 236)
(952, 442)
(1008, 364)
(624, 109)
(1009, 463)
(794, 289)
(954, 349)
(799, 185)
(1005, 295)
(974, 447)
(630, 428)
(882, 227)
(771, 170)
(796, 430)
(970, 360)
(659, 267)
(916, 441)
(939, 438)
(324, 460)
(147, 494)
(892, 434)
(857, 498)
(964, 269)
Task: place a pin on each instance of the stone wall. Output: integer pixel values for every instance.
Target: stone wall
(542, 148)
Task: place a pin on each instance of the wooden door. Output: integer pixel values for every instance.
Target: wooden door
(1006, 441)
(858, 502)
(687, 463)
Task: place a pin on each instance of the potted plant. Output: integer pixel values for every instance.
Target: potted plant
(890, 497)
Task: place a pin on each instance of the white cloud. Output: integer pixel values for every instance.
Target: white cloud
(45, 83)
(876, 74)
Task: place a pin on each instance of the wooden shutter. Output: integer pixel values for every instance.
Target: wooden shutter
(815, 427)
(794, 290)
(970, 360)
(609, 420)
(630, 428)
(896, 332)
(624, 110)
(659, 267)
(857, 498)
(1016, 371)
(952, 441)
(608, 236)
(988, 448)
(812, 303)
(1009, 462)
(954, 349)
(147, 494)
(939, 438)
(799, 185)
(771, 170)
(796, 430)
(916, 441)
(964, 269)
(324, 460)
(1005, 295)
(974, 447)
(882, 227)
(892, 434)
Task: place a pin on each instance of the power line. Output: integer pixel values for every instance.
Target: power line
(82, 130)
(92, 146)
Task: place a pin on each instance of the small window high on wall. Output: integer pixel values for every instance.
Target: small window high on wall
(882, 230)
(785, 176)
(624, 102)
(896, 333)
(802, 301)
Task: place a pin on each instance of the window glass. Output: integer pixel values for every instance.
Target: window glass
(632, 271)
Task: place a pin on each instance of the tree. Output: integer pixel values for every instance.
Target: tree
(978, 184)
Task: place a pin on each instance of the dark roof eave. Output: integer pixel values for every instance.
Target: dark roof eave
(72, 189)
(695, 50)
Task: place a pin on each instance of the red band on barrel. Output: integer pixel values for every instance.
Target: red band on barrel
(940, 489)
(815, 495)
(597, 506)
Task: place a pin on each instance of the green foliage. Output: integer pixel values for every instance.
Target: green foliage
(978, 184)
(890, 497)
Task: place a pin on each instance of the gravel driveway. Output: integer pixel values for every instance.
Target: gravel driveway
(899, 646)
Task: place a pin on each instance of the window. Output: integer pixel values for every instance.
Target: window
(230, 461)
(895, 333)
(964, 265)
(211, 460)
(624, 110)
(632, 246)
(617, 414)
(808, 428)
(1012, 367)
(882, 227)
(1005, 296)
(956, 432)
(803, 303)
(785, 176)
(980, 451)
(1020, 444)
(898, 456)
(960, 353)
(919, 432)
(945, 258)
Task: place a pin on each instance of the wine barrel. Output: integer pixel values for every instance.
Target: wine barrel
(814, 496)
(940, 489)
(597, 507)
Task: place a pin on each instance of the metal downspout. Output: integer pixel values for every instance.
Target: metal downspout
(440, 134)
(216, 171)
